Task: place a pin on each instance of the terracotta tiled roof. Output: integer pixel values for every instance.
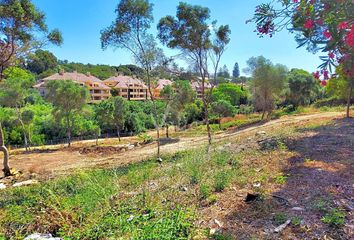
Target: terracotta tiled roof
(124, 81)
(163, 83)
(77, 77)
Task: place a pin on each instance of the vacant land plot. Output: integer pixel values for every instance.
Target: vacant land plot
(295, 171)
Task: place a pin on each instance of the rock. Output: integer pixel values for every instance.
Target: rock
(2, 186)
(39, 236)
(261, 133)
(159, 160)
(25, 183)
(282, 227)
(184, 189)
(252, 197)
(131, 146)
(300, 209)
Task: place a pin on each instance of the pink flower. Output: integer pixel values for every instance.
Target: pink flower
(342, 26)
(349, 39)
(331, 55)
(325, 75)
(295, 1)
(327, 34)
(309, 24)
(316, 75)
(324, 83)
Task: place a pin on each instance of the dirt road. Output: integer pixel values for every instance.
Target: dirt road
(56, 162)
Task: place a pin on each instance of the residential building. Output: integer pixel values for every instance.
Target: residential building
(128, 87)
(160, 85)
(198, 88)
(98, 90)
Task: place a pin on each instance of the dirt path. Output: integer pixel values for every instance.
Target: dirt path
(56, 162)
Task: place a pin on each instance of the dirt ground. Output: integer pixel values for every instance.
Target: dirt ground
(319, 166)
(52, 161)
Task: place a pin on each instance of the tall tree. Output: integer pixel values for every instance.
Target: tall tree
(41, 61)
(303, 87)
(268, 82)
(321, 25)
(13, 93)
(22, 30)
(236, 71)
(68, 99)
(190, 32)
(129, 31)
(119, 113)
(222, 108)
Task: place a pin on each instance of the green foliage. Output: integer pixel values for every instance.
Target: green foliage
(280, 179)
(280, 218)
(334, 217)
(221, 181)
(41, 61)
(268, 83)
(235, 94)
(303, 87)
(146, 138)
(204, 191)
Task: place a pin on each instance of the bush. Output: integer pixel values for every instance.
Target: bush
(204, 191)
(334, 218)
(331, 102)
(221, 181)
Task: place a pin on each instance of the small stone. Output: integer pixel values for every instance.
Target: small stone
(227, 145)
(25, 183)
(2, 186)
(130, 146)
(212, 231)
(159, 160)
(261, 133)
(298, 209)
(184, 189)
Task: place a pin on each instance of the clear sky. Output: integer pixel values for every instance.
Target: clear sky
(81, 21)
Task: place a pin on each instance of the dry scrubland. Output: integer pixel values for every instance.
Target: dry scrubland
(300, 169)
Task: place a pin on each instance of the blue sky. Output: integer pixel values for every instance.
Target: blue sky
(81, 21)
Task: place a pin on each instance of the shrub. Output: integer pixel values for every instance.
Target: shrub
(204, 191)
(280, 218)
(221, 181)
(334, 218)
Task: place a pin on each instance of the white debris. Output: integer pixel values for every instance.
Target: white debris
(25, 183)
(282, 227)
(39, 236)
(2, 186)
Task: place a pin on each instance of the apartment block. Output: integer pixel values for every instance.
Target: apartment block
(98, 90)
(160, 85)
(128, 87)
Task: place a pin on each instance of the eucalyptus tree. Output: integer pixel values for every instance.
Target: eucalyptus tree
(68, 99)
(22, 30)
(200, 42)
(14, 91)
(129, 31)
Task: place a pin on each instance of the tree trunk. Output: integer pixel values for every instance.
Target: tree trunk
(263, 113)
(118, 132)
(167, 135)
(220, 123)
(23, 128)
(349, 100)
(207, 123)
(6, 170)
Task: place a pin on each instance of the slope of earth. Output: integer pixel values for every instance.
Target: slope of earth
(295, 172)
(53, 162)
